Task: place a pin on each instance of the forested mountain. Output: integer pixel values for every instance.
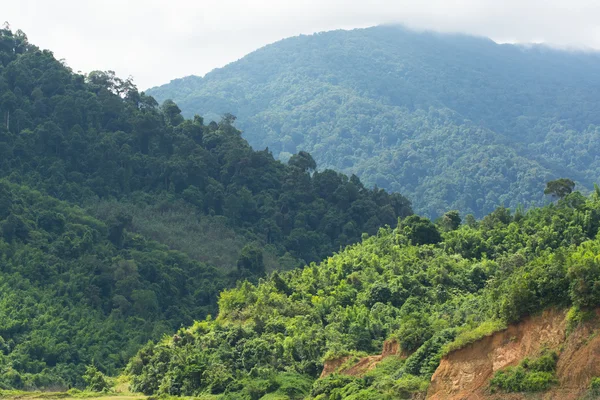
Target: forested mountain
(451, 121)
(120, 220)
(430, 288)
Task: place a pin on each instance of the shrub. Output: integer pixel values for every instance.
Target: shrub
(408, 385)
(529, 376)
(95, 380)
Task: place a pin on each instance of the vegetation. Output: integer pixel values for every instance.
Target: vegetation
(69, 394)
(529, 376)
(559, 188)
(595, 386)
(113, 209)
(70, 296)
(113, 212)
(80, 138)
(450, 121)
(95, 380)
(431, 297)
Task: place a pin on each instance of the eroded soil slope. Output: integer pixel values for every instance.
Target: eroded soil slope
(390, 348)
(464, 374)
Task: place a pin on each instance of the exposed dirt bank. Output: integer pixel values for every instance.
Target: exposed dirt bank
(465, 373)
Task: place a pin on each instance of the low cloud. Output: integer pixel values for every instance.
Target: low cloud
(156, 41)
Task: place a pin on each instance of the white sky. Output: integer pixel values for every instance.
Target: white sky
(156, 41)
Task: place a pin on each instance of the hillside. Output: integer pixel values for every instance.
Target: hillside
(75, 290)
(470, 372)
(96, 138)
(419, 292)
(121, 220)
(450, 121)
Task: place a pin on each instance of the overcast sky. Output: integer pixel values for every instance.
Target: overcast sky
(156, 41)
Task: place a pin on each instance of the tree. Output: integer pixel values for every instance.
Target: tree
(420, 230)
(172, 113)
(559, 188)
(303, 160)
(584, 273)
(95, 380)
(451, 220)
(9, 103)
(117, 225)
(251, 260)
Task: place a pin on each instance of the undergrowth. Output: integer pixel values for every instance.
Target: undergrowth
(529, 376)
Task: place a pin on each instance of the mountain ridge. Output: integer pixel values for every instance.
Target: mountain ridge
(348, 97)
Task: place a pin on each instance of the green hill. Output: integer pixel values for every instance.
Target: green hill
(451, 121)
(431, 288)
(75, 290)
(121, 220)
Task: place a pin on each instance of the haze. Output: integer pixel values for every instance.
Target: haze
(156, 41)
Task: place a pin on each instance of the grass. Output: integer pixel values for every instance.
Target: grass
(70, 394)
(469, 336)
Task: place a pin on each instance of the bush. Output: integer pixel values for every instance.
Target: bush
(95, 380)
(529, 376)
(595, 386)
(328, 384)
(408, 385)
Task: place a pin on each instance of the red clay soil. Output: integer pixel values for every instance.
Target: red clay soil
(332, 366)
(390, 348)
(465, 373)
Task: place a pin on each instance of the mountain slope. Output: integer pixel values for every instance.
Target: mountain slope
(451, 121)
(95, 138)
(75, 290)
(430, 289)
(141, 218)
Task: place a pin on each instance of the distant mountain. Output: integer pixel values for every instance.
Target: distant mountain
(451, 121)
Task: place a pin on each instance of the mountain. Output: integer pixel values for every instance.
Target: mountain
(451, 121)
(121, 221)
(136, 242)
(419, 292)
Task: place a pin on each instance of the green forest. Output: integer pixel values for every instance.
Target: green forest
(431, 287)
(163, 251)
(121, 221)
(450, 121)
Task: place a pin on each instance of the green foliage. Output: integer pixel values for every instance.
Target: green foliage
(432, 298)
(450, 220)
(584, 273)
(383, 103)
(559, 188)
(595, 386)
(250, 262)
(84, 138)
(529, 376)
(69, 295)
(97, 263)
(95, 380)
(469, 335)
(420, 230)
(576, 316)
(408, 385)
(141, 219)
